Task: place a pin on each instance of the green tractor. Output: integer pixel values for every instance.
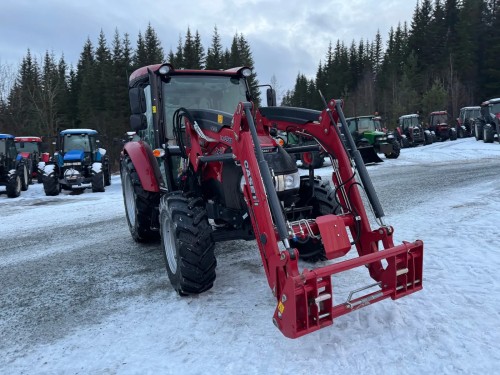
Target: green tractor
(372, 139)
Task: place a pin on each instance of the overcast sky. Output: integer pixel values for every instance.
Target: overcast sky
(286, 37)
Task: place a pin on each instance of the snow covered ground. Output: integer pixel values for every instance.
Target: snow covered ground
(450, 327)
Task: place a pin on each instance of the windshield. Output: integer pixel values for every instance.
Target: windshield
(438, 119)
(495, 108)
(221, 93)
(27, 147)
(76, 142)
(366, 125)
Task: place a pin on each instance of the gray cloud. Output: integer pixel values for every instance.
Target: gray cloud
(286, 37)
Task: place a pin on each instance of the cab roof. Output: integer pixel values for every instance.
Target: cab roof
(490, 101)
(78, 131)
(408, 116)
(142, 73)
(28, 138)
(6, 136)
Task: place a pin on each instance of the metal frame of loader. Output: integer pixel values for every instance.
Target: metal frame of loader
(304, 298)
(310, 292)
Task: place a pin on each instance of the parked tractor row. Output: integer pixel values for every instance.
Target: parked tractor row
(77, 164)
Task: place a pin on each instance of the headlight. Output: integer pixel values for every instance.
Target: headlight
(282, 182)
(390, 136)
(287, 181)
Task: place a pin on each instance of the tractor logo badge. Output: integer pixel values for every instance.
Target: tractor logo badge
(250, 182)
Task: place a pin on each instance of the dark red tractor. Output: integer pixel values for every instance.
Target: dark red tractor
(440, 125)
(30, 148)
(207, 168)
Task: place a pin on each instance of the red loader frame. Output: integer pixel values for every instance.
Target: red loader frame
(305, 300)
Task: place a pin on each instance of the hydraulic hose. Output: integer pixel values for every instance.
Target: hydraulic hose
(267, 179)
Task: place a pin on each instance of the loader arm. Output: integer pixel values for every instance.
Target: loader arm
(305, 300)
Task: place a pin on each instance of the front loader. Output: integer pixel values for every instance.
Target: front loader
(208, 169)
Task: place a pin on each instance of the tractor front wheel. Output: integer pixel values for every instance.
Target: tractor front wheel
(51, 185)
(98, 182)
(188, 247)
(478, 130)
(488, 135)
(23, 172)
(396, 150)
(107, 174)
(140, 205)
(14, 186)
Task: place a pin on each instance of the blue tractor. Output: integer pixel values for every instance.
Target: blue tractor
(78, 163)
(14, 172)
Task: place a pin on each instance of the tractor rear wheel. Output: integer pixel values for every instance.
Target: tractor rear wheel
(14, 186)
(323, 202)
(51, 185)
(140, 205)
(188, 247)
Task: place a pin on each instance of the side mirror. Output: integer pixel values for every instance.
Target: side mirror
(138, 122)
(271, 97)
(137, 100)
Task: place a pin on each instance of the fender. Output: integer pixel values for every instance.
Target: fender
(145, 164)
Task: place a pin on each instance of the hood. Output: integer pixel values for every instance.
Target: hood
(375, 133)
(74, 155)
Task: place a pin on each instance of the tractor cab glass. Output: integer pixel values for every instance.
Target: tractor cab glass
(220, 93)
(3, 147)
(438, 119)
(495, 108)
(366, 124)
(30, 147)
(410, 122)
(76, 142)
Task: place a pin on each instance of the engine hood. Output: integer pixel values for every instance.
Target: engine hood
(74, 155)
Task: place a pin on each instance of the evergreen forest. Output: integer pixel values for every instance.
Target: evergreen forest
(444, 59)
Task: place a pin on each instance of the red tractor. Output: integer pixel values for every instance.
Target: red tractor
(30, 148)
(207, 168)
(440, 125)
